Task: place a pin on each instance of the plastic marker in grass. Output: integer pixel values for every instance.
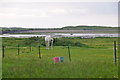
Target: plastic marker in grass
(58, 59)
(61, 59)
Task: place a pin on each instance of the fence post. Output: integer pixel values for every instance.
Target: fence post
(3, 51)
(115, 52)
(18, 49)
(30, 48)
(39, 52)
(69, 53)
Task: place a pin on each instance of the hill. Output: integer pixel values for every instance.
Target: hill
(88, 28)
(20, 29)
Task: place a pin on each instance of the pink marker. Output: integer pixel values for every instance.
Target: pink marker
(56, 59)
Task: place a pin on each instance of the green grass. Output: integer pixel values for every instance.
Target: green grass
(95, 61)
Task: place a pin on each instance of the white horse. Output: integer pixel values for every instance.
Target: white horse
(49, 41)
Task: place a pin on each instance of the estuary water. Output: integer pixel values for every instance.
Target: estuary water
(58, 35)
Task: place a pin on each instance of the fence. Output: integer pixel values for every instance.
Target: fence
(21, 50)
(39, 51)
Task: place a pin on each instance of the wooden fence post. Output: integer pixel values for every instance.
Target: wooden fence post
(115, 52)
(3, 55)
(69, 53)
(39, 52)
(18, 49)
(30, 48)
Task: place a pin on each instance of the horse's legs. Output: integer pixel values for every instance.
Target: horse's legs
(52, 44)
(47, 44)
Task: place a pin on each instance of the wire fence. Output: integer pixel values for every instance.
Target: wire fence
(20, 50)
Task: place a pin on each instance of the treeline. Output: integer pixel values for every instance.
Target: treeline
(67, 41)
(34, 41)
(89, 28)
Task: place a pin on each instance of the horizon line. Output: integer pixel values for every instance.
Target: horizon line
(53, 27)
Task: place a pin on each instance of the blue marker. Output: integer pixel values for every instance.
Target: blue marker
(61, 59)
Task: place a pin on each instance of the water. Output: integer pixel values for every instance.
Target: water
(60, 35)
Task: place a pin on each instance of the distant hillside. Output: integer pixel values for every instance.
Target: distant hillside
(19, 29)
(12, 30)
(88, 28)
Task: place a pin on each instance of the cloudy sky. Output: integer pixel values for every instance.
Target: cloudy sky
(44, 14)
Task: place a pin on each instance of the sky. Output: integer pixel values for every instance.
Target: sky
(57, 14)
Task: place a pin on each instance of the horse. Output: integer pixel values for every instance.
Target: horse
(49, 41)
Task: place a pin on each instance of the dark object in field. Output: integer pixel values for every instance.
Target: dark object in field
(18, 50)
(39, 52)
(30, 48)
(69, 53)
(3, 51)
(115, 52)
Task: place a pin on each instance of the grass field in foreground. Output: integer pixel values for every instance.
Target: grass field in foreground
(96, 62)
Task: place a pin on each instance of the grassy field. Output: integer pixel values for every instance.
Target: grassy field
(95, 61)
